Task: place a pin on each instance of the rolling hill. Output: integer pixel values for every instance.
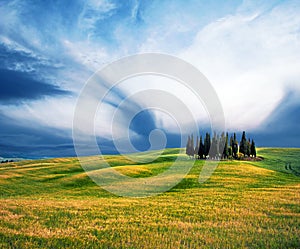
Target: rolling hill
(52, 203)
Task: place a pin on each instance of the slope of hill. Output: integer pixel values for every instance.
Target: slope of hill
(53, 203)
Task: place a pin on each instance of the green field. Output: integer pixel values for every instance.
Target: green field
(53, 204)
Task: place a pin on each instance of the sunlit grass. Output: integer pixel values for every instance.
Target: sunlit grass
(53, 203)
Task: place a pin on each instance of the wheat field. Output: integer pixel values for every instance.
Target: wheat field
(52, 203)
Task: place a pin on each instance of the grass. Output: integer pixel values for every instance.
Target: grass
(53, 204)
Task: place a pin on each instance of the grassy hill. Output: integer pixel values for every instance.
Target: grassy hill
(53, 203)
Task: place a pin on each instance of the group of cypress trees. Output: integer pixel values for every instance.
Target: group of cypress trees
(218, 147)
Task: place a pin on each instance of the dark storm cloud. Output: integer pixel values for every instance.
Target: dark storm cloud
(281, 129)
(18, 86)
(30, 140)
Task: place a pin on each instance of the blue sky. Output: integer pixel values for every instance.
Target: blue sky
(249, 51)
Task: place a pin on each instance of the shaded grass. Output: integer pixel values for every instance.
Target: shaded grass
(54, 204)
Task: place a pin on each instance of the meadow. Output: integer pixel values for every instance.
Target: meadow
(52, 203)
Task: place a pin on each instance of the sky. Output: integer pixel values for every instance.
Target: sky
(248, 50)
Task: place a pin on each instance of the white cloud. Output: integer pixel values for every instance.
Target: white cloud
(164, 86)
(52, 112)
(90, 56)
(250, 58)
(93, 11)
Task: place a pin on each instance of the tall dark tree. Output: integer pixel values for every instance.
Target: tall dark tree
(225, 153)
(201, 149)
(235, 146)
(197, 147)
(192, 146)
(243, 144)
(229, 152)
(253, 149)
(217, 146)
(248, 148)
(207, 144)
(187, 148)
(221, 144)
(231, 146)
(214, 148)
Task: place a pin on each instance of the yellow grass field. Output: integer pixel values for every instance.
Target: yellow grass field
(53, 204)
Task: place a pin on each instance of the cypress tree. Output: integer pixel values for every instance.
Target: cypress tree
(253, 149)
(192, 146)
(229, 151)
(225, 153)
(214, 148)
(235, 146)
(207, 144)
(187, 148)
(197, 148)
(221, 144)
(201, 149)
(231, 146)
(248, 148)
(243, 144)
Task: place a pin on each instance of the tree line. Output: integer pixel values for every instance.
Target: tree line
(220, 146)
